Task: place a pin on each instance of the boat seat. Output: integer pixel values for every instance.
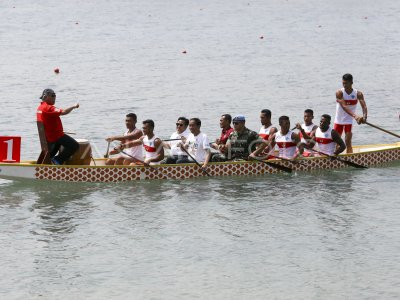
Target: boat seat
(44, 157)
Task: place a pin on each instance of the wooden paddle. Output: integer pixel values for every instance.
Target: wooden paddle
(276, 166)
(288, 160)
(151, 167)
(197, 163)
(108, 150)
(384, 130)
(347, 162)
(168, 140)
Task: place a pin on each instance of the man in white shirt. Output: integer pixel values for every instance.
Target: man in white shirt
(136, 152)
(197, 143)
(178, 156)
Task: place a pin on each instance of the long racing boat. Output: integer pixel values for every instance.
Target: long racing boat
(97, 171)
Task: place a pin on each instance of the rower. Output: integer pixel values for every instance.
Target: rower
(306, 128)
(197, 143)
(241, 142)
(286, 139)
(133, 154)
(327, 139)
(267, 129)
(347, 99)
(49, 115)
(154, 152)
(225, 124)
(178, 156)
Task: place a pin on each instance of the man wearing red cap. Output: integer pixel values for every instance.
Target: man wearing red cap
(50, 116)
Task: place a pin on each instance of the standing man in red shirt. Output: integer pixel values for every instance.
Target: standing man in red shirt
(50, 116)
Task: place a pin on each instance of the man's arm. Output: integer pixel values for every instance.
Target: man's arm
(270, 143)
(69, 109)
(130, 144)
(272, 131)
(338, 140)
(207, 159)
(132, 136)
(300, 145)
(360, 98)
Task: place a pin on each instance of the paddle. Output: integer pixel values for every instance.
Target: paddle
(169, 140)
(151, 167)
(276, 166)
(347, 162)
(108, 150)
(384, 130)
(288, 160)
(197, 163)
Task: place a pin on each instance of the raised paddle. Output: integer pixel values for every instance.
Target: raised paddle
(108, 150)
(347, 162)
(384, 130)
(276, 166)
(197, 163)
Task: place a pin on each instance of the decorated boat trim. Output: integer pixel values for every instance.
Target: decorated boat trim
(367, 155)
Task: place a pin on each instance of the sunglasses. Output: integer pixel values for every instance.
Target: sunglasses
(179, 124)
(236, 123)
(52, 95)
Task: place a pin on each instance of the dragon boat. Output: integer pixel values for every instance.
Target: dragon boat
(97, 171)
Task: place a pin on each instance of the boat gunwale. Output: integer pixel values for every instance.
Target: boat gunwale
(30, 163)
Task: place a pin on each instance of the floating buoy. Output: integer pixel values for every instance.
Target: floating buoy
(76, 23)
(261, 37)
(56, 70)
(184, 51)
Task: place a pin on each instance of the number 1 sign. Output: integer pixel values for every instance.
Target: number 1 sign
(10, 149)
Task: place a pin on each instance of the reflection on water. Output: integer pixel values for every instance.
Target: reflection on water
(210, 231)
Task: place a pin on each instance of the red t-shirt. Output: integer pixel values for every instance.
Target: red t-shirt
(50, 116)
(225, 135)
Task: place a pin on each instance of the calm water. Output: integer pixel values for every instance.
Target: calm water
(325, 235)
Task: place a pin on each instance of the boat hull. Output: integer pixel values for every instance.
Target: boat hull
(368, 155)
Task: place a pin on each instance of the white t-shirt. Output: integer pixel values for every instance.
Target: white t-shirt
(198, 146)
(136, 151)
(175, 149)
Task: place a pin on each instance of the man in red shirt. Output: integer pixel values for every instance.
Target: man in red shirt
(225, 124)
(220, 143)
(50, 116)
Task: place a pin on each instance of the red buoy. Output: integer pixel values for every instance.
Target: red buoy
(56, 70)
(184, 51)
(261, 37)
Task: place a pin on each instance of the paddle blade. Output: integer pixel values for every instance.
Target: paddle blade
(353, 164)
(279, 167)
